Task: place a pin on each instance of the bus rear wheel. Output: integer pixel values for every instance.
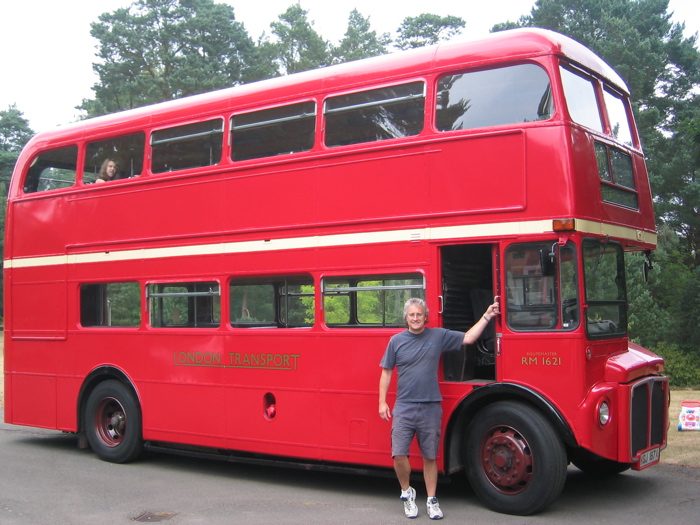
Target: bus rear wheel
(113, 422)
(516, 462)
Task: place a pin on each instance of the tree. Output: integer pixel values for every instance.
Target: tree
(675, 166)
(14, 134)
(299, 47)
(427, 29)
(14, 131)
(360, 41)
(156, 50)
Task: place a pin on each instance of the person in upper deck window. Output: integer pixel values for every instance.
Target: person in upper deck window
(415, 353)
(108, 171)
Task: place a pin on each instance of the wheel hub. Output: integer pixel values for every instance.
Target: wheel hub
(506, 460)
(110, 422)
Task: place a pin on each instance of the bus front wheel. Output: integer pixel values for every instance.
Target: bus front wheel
(113, 422)
(516, 462)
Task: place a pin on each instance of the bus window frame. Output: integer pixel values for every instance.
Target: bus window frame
(595, 83)
(158, 323)
(78, 170)
(153, 141)
(489, 69)
(100, 291)
(354, 321)
(278, 283)
(325, 111)
(231, 153)
(145, 154)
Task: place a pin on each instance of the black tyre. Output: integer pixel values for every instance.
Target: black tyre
(113, 422)
(516, 461)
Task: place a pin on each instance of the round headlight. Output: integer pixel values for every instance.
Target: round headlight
(603, 413)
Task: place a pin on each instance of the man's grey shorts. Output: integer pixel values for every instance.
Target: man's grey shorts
(420, 419)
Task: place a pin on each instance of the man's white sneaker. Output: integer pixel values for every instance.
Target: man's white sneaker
(434, 512)
(409, 503)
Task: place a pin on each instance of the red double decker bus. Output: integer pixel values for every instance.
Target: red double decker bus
(232, 284)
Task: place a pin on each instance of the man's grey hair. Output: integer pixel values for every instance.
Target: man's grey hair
(415, 301)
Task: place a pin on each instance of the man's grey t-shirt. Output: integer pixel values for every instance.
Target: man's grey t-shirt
(416, 357)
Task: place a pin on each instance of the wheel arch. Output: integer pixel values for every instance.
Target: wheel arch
(483, 396)
(94, 378)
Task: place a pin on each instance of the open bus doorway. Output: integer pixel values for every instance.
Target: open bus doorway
(467, 290)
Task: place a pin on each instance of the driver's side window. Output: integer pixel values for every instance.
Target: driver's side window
(542, 287)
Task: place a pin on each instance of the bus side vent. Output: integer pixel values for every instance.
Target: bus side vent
(648, 420)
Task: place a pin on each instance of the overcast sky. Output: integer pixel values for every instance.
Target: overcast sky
(46, 51)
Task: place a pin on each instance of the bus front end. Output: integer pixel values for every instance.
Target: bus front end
(565, 335)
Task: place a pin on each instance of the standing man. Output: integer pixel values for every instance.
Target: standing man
(416, 354)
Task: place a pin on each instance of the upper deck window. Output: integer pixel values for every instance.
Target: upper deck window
(581, 99)
(617, 185)
(275, 131)
(126, 152)
(617, 114)
(508, 95)
(189, 146)
(377, 114)
(52, 170)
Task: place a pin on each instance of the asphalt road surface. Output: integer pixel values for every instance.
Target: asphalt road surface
(46, 479)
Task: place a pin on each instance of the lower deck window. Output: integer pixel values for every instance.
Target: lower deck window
(278, 302)
(542, 287)
(185, 305)
(369, 301)
(110, 304)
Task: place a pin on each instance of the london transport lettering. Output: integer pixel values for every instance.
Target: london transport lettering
(237, 360)
(541, 358)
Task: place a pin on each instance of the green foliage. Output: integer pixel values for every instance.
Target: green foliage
(682, 368)
(156, 50)
(427, 29)
(299, 47)
(14, 130)
(360, 41)
(124, 303)
(647, 322)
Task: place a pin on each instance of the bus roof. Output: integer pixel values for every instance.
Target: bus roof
(512, 44)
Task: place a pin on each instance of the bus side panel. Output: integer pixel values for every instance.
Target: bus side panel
(272, 391)
(548, 363)
(33, 399)
(351, 429)
(38, 303)
(181, 389)
(35, 338)
(473, 174)
(39, 226)
(198, 209)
